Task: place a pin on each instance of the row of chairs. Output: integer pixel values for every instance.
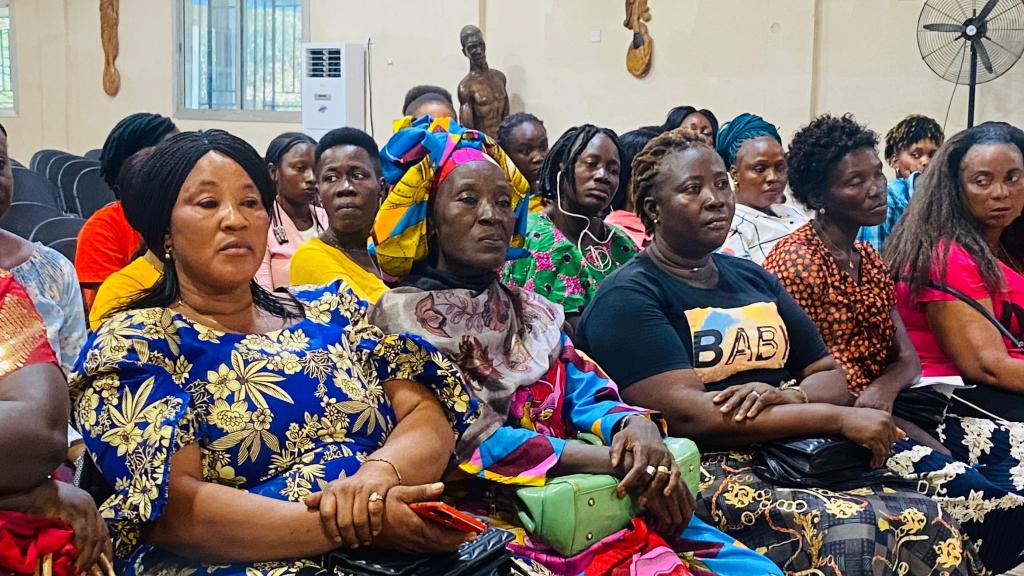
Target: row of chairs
(65, 181)
(44, 224)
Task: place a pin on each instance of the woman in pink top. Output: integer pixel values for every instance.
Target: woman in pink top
(624, 214)
(963, 232)
(295, 217)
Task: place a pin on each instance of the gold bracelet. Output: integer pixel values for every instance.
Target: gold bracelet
(792, 385)
(389, 463)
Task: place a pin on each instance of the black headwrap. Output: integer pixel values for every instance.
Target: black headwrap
(173, 160)
(130, 135)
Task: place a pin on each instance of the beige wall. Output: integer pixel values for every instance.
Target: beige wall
(785, 59)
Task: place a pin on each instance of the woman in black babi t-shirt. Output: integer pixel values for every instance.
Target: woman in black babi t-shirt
(718, 346)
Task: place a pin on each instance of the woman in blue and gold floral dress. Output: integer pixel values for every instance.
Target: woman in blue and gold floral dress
(245, 432)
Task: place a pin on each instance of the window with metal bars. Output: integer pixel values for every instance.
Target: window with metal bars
(6, 60)
(241, 55)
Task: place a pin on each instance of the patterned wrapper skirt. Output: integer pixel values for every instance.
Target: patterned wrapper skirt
(873, 531)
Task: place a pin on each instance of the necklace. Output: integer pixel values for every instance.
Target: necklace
(833, 248)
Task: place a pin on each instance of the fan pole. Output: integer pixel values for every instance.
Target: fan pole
(972, 86)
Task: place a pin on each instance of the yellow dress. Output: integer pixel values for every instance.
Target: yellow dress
(316, 262)
(118, 287)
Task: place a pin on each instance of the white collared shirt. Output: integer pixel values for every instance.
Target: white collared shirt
(754, 233)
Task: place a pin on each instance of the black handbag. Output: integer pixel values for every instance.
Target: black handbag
(984, 401)
(487, 555)
(925, 407)
(829, 462)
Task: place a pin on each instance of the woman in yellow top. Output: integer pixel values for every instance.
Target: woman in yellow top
(351, 188)
(145, 270)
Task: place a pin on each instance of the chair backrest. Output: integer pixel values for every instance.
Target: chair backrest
(67, 247)
(93, 154)
(91, 192)
(30, 186)
(23, 217)
(49, 231)
(42, 158)
(54, 168)
(66, 181)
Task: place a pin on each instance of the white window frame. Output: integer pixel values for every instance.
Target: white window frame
(180, 111)
(11, 39)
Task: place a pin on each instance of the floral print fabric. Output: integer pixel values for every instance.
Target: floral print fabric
(277, 414)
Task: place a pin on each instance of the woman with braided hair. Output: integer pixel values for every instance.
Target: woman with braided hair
(717, 346)
(572, 250)
(295, 217)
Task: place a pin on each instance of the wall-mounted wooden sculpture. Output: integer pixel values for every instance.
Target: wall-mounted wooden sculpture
(108, 35)
(638, 57)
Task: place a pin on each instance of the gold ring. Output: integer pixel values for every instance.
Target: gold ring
(651, 470)
(755, 393)
(664, 470)
(376, 497)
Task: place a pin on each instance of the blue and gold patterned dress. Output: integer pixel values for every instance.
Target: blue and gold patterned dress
(277, 414)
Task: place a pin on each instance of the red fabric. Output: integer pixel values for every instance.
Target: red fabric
(22, 332)
(106, 244)
(25, 541)
(617, 558)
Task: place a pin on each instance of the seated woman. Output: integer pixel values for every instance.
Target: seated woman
(623, 206)
(571, 249)
(245, 432)
(525, 140)
(909, 148)
(145, 270)
(107, 242)
(427, 100)
(709, 340)
(846, 288)
(351, 189)
(33, 442)
(295, 217)
(752, 150)
(535, 390)
(702, 121)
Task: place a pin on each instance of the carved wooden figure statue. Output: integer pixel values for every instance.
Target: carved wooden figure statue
(638, 57)
(108, 35)
(483, 97)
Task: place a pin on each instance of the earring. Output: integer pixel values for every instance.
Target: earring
(168, 253)
(821, 211)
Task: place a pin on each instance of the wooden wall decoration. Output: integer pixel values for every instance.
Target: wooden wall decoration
(638, 57)
(108, 35)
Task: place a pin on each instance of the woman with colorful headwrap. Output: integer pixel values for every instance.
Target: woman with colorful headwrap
(469, 203)
(752, 150)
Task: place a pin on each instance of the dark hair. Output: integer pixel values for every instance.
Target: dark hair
(565, 152)
(417, 92)
(816, 150)
(910, 131)
(164, 173)
(938, 215)
(630, 144)
(280, 146)
(510, 123)
(428, 99)
(349, 137)
(4, 130)
(679, 113)
(130, 186)
(131, 134)
(647, 165)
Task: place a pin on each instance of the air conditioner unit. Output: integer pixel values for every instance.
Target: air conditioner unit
(333, 89)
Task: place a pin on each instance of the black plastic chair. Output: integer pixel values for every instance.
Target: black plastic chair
(91, 192)
(60, 228)
(67, 247)
(53, 170)
(30, 186)
(41, 159)
(23, 217)
(66, 181)
(93, 154)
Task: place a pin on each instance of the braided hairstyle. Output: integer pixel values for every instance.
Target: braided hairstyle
(276, 151)
(165, 173)
(939, 216)
(910, 131)
(564, 154)
(647, 165)
(510, 123)
(815, 151)
(131, 134)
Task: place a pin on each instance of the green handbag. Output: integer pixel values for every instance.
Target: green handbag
(570, 513)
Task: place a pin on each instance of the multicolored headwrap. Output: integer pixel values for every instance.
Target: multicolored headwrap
(742, 128)
(420, 155)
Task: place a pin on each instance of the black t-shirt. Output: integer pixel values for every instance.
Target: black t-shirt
(644, 322)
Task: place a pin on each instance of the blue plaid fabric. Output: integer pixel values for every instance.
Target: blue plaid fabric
(899, 192)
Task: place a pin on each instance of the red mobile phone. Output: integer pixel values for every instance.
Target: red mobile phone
(447, 516)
